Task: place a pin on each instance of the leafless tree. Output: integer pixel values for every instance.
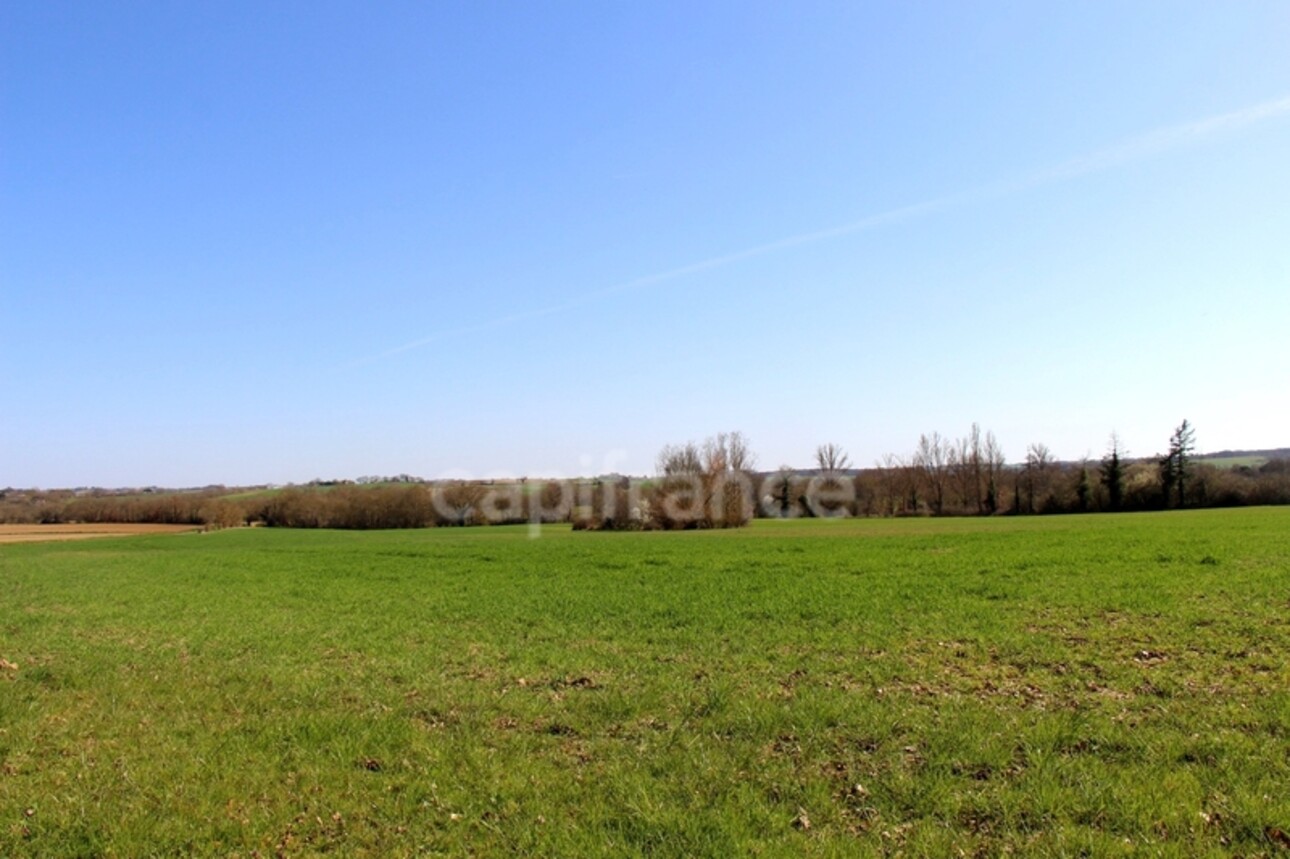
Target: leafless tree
(738, 452)
(975, 451)
(975, 464)
(831, 458)
(678, 459)
(962, 477)
(1039, 459)
(727, 452)
(705, 486)
(716, 458)
(932, 459)
(993, 459)
(730, 493)
(906, 481)
(889, 484)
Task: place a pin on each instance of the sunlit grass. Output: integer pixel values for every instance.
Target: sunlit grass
(1046, 685)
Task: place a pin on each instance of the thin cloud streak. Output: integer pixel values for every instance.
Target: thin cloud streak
(1155, 143)
(1133, 149)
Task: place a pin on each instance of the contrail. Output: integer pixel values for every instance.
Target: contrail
(888, 217)
(1126, 151)
(1153, 143)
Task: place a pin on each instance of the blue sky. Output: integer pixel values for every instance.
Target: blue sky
(246, 243)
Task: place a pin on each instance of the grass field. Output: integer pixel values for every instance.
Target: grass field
(1048, 686)
(1235, 461)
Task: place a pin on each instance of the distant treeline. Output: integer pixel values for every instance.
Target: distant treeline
(970, 476)
(208, 507)
(709, 485)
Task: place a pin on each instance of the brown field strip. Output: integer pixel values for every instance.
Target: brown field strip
(40, 533)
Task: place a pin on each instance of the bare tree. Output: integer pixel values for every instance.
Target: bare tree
(738, 453)
(831, 458)
(910, 480)
(728, 487)
(932, 459)
(889, 482)
(994, 461)
(705, 486)
(716, 459)
(678, 459)
(977, 466)
(727, 452)
(968, 471)
(1035, 474)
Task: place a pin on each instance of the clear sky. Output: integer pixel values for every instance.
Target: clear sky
(267, 242)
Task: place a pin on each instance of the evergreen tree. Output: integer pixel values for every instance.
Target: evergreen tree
(1176, 464)
(1113, 474)
(1082, 489)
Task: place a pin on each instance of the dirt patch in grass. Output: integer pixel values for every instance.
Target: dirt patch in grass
(46, 533)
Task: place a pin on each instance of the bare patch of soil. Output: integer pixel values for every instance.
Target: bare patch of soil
(42, 533)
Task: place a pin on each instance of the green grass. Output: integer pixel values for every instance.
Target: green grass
(1235, 461)
(1049, 686)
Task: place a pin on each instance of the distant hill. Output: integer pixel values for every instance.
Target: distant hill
(1243, 458)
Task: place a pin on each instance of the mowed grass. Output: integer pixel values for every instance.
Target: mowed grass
(1048, 686)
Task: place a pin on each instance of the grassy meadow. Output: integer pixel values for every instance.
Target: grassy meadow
(1078, 685)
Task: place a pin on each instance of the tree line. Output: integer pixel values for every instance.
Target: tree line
(970, 475)
(713, 484)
